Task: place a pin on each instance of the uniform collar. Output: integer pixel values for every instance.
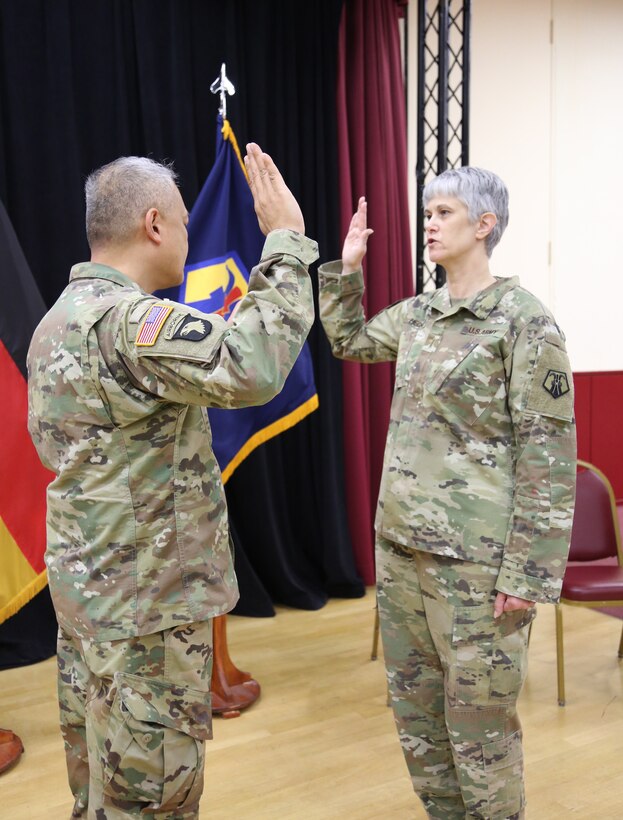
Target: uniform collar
(481, 304)
(93, 270)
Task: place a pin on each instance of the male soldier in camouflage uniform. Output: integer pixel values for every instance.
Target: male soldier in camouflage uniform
(476, 501)
(138, 555)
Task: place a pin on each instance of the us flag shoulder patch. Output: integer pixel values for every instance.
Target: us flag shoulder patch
(149, 331)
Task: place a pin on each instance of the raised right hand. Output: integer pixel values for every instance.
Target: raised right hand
(356, 241)
(274, 203)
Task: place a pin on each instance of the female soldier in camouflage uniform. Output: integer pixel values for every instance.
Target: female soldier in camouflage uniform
(476, 500)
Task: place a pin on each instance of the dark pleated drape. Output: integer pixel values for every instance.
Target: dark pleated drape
(85, 81)
(372, 162)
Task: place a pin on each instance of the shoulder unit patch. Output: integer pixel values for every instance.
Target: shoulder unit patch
(556, 383)
(551, 389)
(192, 329)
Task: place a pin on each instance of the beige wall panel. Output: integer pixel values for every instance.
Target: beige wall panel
(587, 175)
(546, 115)
(511, 128)
(510, 124)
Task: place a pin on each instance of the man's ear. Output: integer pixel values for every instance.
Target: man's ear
(486, 224)
(152, 225)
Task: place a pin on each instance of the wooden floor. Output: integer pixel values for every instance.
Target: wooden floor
(320, 744)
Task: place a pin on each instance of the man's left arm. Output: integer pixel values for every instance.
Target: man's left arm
(541, 407)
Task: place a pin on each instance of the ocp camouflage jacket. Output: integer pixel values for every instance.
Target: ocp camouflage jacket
(137, 530)
(480, 455)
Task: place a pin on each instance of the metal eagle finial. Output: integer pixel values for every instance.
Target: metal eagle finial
(223, 86)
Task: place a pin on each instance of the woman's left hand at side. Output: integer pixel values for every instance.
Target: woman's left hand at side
(508, 603)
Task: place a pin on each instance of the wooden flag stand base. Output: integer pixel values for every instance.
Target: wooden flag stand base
(232, 690)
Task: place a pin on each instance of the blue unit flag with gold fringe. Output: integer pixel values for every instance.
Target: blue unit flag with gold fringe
(225, 242)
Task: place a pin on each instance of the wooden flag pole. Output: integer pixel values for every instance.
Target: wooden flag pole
(232, 690)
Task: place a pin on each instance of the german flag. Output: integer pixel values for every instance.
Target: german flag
(23, 480)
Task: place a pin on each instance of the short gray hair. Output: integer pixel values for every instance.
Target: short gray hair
(119, 194)
(479, 190)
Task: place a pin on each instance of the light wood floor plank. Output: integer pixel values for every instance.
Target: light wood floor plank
(320, 743)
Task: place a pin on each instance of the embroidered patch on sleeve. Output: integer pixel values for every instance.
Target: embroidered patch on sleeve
(192, 329)
(551, 392)
(556, 383)
(152, 325)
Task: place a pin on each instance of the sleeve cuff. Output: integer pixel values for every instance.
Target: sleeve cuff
(283, 242)
(331, 273)
(541, 590)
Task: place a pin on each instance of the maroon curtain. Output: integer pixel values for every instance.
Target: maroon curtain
(372, 150)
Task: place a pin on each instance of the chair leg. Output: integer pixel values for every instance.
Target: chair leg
(375, 646)
(621, 645)
(560, 657)
(375, 635)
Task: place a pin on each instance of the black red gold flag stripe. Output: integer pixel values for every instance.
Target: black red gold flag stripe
(23, 480)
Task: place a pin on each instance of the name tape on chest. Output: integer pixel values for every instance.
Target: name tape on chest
(481, 331)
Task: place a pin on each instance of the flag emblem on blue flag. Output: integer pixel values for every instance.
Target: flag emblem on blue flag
(215, 285)
(224, 243)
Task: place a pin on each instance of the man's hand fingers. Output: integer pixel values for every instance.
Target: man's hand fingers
(274, 203)
(253, 162)
(260, 167)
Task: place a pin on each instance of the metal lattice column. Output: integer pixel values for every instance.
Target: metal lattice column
(442, 107)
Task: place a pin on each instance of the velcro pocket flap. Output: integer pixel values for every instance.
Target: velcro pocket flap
(153, 700)
(499, 754)
(476, 624)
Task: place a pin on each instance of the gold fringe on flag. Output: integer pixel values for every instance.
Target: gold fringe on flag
(270, 432)
(24, 596)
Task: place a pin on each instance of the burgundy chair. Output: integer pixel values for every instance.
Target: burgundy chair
(594, 537)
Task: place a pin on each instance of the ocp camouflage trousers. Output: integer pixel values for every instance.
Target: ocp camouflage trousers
(135, 715)
(454, 675)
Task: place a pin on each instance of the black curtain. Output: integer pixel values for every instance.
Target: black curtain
(85, 81)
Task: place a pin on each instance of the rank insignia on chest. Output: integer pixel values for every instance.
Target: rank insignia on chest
(556, 383)
(152, 325)
(192, 329)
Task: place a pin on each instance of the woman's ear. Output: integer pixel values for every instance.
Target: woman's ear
(486, 224)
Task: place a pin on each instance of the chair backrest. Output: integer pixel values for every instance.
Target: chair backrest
(595, 533)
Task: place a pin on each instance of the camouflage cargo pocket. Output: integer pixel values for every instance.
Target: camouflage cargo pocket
(503, 765)
(491, 776)
(489, 656)
(499, 754)
(154, 749)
